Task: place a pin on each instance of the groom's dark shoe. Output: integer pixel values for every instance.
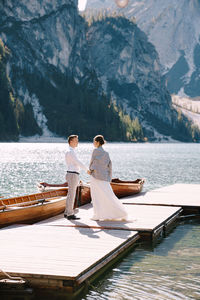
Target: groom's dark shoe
(72, 217)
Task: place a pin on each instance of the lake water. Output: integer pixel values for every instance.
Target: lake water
(171, 269)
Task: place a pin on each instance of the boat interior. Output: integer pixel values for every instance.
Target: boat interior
(33, 199)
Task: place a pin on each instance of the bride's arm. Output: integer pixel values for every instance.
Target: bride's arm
(92, 161)
(110, 169)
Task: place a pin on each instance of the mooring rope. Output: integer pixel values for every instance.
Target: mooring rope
(11, 277)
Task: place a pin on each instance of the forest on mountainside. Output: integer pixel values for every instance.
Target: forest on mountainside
(80, 109)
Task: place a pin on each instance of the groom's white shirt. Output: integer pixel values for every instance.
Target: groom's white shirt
(73, 163)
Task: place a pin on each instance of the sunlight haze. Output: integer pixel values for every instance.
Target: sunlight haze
(82, 4)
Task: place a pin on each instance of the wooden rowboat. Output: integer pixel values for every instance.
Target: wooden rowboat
(32, 208)
(120, 188)
(29, 209)
(123, 188)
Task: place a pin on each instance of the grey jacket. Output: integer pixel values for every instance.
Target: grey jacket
(101, 165)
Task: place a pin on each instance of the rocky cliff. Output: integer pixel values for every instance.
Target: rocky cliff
(11, 109)
(129, 69)
(173, 28)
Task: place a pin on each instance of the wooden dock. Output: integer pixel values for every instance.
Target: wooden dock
(186, 196)
(60, 257)
(64, 256)
(148, 221)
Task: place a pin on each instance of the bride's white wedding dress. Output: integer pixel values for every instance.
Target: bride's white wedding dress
(105, 204)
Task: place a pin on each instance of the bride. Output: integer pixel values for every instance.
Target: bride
(105, 204)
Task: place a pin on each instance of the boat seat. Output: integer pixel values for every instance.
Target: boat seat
(2, 207)
(10, 208)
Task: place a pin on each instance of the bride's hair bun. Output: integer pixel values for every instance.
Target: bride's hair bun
(99, 138)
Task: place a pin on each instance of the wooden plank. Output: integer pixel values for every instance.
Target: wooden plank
(179, 188)
(141, 218)
(182, 195)
(58, 252)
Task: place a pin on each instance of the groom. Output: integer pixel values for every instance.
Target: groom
(73, 167)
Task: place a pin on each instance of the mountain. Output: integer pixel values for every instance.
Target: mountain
(129, 68)
(51, 74)
(71, 76)
(173, 28)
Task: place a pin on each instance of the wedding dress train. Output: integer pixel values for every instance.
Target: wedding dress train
(105, 204)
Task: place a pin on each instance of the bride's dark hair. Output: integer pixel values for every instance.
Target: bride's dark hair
(99, 138)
